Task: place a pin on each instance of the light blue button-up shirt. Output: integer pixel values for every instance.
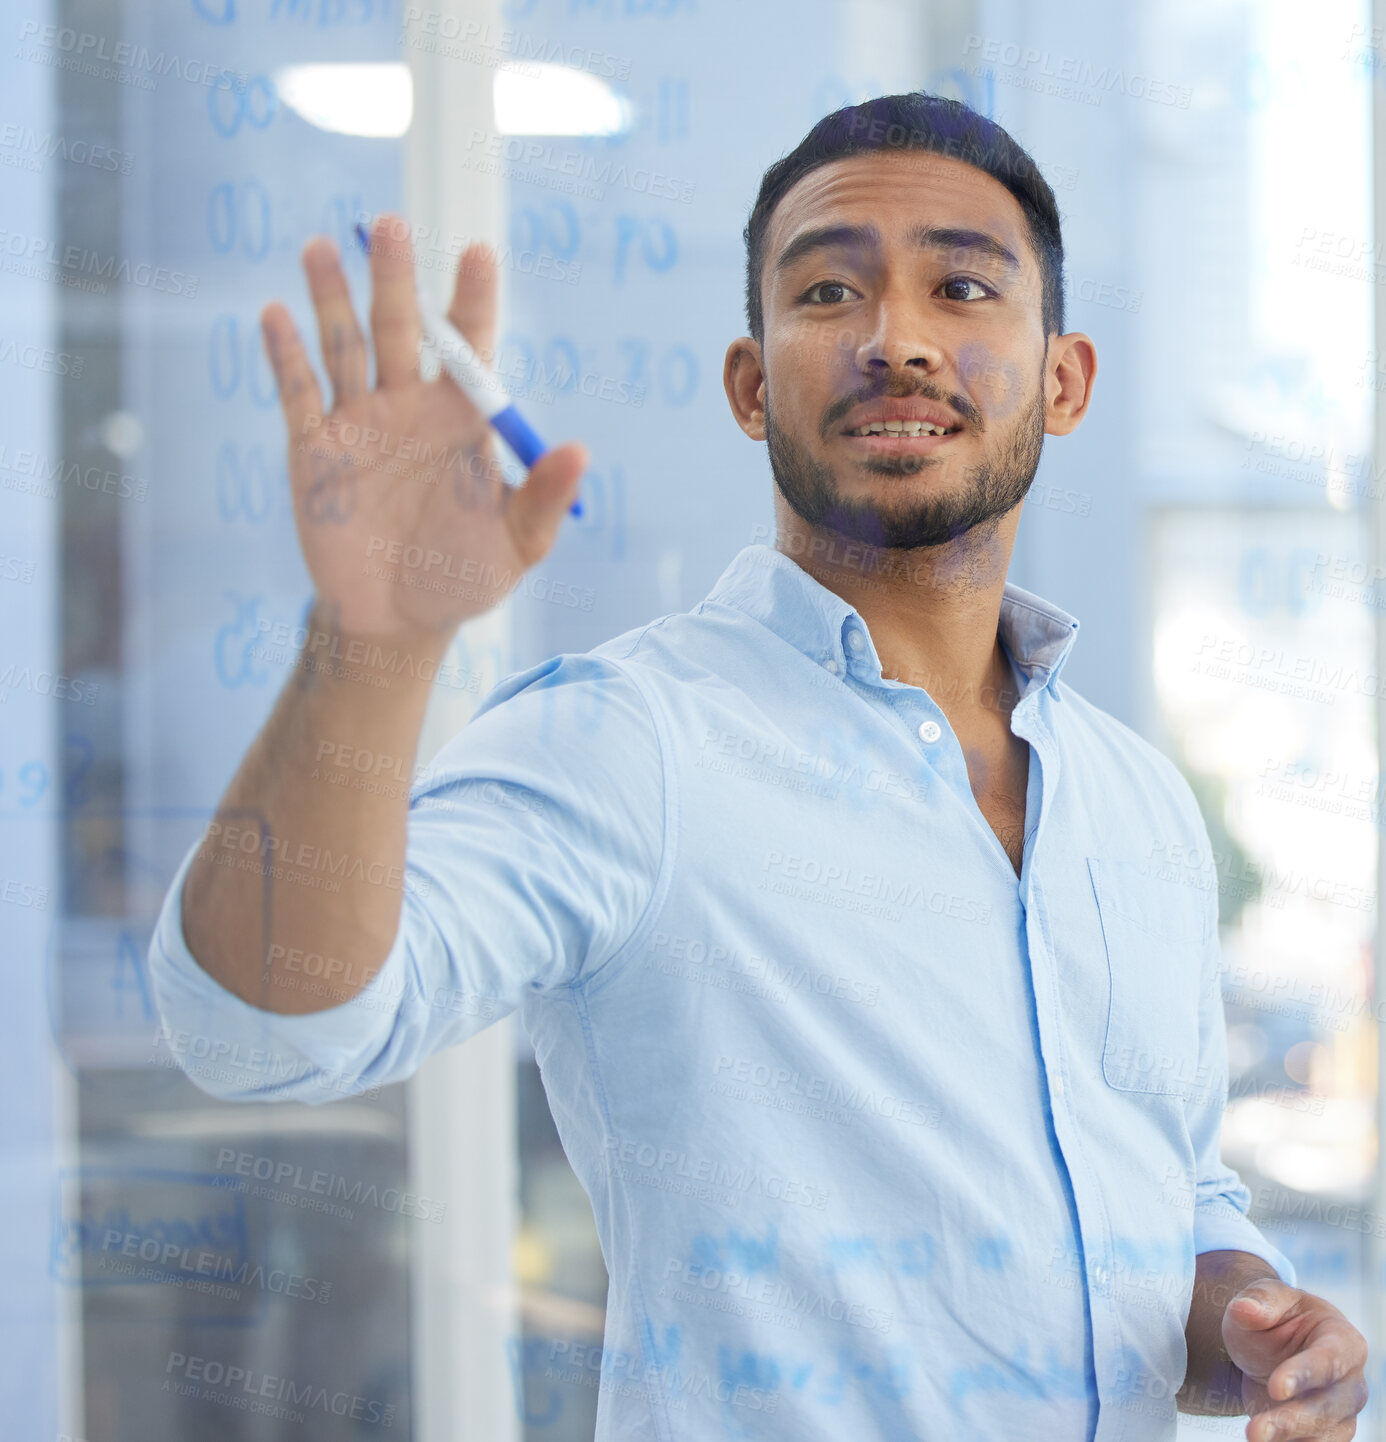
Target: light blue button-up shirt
(882, 1141)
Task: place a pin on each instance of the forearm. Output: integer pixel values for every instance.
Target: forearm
(1213, 1382)
(297, 862)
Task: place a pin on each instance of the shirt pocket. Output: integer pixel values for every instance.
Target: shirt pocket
(1156, 935)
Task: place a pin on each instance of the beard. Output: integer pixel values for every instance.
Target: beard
(988, 491)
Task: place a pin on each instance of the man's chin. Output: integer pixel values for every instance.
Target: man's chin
(889, 513)
(906, 502)
(887, 527)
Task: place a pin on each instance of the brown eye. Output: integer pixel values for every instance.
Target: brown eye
(961, 281)
(837, 292)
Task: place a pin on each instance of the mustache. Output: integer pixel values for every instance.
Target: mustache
(898, 388)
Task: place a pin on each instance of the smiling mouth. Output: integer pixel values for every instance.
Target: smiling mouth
(903, 428)
(903, 435)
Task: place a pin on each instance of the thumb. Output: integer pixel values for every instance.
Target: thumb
(537, 507)
(1260, 1304)
(1251, 1326)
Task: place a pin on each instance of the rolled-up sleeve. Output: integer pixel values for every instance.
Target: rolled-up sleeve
(1221, 1198)
(536, 839)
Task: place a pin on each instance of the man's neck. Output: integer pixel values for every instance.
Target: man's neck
(932, 612)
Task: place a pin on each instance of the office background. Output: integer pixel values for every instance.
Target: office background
(1211, 524)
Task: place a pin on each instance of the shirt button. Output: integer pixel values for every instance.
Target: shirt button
(854, 640)
(930, 730)
(1057, 1086)
(831, 665)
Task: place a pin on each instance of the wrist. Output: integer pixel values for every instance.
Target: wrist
(1220, 1276)
(1213, 1383)
(400, 658)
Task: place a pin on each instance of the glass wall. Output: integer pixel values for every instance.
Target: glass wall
(1256, 426)
(1209, 524)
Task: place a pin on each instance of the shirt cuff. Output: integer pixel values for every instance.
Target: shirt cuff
(237, 1051)
(1221, 1227)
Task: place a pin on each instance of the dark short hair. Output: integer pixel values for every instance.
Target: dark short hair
(916, 121)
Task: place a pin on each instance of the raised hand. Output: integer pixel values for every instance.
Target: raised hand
(404, 519)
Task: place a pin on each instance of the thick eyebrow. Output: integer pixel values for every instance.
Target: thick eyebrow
(868, 238)
(829, 237)
(935, 237)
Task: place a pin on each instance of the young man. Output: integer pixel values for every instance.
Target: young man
(893, 1068)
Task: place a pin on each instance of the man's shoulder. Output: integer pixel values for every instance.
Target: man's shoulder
(571, 688)
(620, 695)
(621, 665)
(1101, 742)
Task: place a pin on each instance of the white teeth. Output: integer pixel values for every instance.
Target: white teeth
(899, 428)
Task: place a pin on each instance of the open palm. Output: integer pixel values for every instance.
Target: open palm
(405, 521)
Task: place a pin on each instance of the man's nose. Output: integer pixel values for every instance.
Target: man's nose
(898, 339)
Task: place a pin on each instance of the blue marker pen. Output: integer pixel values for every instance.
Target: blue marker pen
(475, 377)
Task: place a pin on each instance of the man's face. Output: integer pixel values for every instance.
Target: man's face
(901, 297)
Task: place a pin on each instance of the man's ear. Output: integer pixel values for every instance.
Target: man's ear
(1069, 372)
(743, 377)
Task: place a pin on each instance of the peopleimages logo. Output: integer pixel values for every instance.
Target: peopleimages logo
(172, 1261)
(41, 258)
(122, 60)
(578, 167)
(289, 1177)
(473, 37)
(29, 149)
(735, 1075)
(741, 1178)
(247, 1390)
(795, 1302)
(833, 876)
(1073, 76)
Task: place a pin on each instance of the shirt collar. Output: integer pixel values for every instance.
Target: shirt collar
(775, 590)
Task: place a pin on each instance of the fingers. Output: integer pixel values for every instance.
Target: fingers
(343, 345)
(395, 327)
(1322, 1414)
(299, 394)
(1318, 1391)
(1331, 1357)
(473, 308)
(535, 510)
